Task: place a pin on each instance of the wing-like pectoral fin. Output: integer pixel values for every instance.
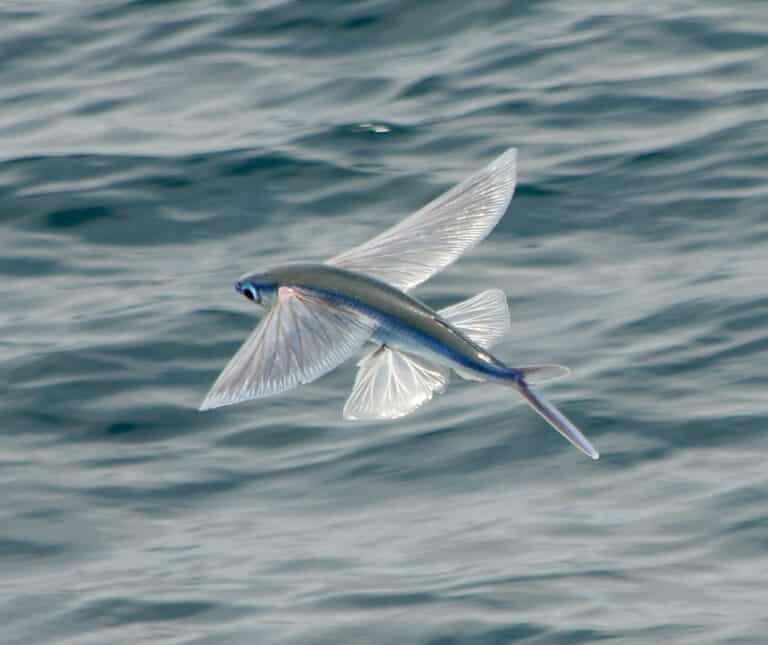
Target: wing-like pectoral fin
(301, 338)
(391, 384)
(436, 235)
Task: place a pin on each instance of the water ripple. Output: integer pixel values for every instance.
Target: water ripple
(153, 152)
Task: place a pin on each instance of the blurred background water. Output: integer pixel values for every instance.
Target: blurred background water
(151, 152)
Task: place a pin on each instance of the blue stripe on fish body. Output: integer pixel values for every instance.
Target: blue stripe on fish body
(400, 315)
(398, 334)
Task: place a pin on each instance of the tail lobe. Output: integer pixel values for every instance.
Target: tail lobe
(557, 420)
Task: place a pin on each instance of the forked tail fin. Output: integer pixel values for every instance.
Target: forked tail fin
(557, 420)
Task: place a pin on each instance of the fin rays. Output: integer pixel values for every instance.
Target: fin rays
(436, 235)
(484, 318)
(391, 384)
(301, 338)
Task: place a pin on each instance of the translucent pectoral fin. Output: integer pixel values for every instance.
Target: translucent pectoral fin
(301, 338)
(391, 384)
(483, 318)
(436, 235)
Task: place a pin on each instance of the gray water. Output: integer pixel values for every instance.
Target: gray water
(150, 153)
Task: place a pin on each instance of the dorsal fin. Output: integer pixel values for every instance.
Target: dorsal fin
(483, 318)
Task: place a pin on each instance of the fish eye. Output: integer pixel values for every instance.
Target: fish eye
(248, 293)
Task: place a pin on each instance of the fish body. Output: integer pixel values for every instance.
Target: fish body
(318, 315)
(402, 321)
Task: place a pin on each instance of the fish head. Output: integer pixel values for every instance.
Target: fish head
(259, 288)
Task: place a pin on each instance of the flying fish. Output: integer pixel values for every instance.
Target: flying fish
(317, 316)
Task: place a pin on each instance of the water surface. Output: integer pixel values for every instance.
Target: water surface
(153, 152)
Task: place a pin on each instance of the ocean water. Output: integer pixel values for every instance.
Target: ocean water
(152, 152)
